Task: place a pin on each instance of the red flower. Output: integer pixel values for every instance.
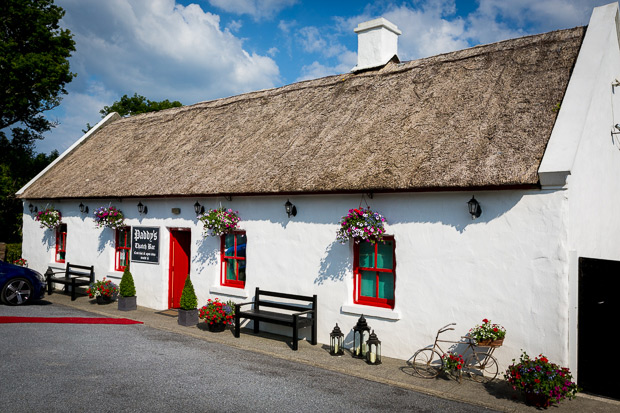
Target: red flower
(485, 321)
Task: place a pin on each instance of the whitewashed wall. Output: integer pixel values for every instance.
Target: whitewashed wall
(509, 265)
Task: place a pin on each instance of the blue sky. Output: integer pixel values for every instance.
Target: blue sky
(197, 50)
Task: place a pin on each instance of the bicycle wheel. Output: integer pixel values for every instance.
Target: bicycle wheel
(481, 367)
(427, 363)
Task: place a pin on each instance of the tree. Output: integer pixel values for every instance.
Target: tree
(34, 70)
(128, 106)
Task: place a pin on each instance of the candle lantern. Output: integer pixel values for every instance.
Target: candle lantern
(373, 355)
(335, 343)
(361, 332)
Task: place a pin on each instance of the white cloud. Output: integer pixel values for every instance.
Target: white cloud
(258, 9)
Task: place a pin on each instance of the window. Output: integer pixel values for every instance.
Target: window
(123, 246)
(61, 243)
(233, 259)
(374, 273)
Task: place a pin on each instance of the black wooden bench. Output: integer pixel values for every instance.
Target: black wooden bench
(74, 275)
(301, 315)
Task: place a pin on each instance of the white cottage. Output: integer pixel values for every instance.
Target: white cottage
(528, 126)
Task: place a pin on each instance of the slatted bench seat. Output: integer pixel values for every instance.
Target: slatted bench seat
(73, 275)
(300, 315)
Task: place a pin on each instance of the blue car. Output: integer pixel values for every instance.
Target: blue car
(19, 285)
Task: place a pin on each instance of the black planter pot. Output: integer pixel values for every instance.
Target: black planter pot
(216, 327)
(103, 299)
(127, 303)
(188, 318)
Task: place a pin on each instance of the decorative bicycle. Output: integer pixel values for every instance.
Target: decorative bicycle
(481, 366)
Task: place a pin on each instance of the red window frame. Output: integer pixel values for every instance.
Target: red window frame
(225, 261)
(375, 301)
(122, 248)
(61, 243)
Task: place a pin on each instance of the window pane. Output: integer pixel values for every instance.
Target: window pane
(386, 286)
(229, 244)
(367, 255)
(241, 240)
(123, 238)
(231, 269)
(385, 254)
(242, 271)
(368, 286)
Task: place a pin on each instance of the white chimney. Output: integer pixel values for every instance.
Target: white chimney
(377, 43)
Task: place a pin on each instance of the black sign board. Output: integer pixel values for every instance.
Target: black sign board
(145, 245)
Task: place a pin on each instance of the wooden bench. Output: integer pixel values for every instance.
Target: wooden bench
(74, 275)
(301, 315)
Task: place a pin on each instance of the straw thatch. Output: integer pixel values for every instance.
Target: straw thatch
(479, 117)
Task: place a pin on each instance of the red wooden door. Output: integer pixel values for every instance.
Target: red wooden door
(179, 265)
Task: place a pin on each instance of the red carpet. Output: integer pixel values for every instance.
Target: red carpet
(68, 320)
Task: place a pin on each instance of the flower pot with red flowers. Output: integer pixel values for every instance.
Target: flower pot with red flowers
(218, 315)
(453, 364)
(541, 382)
(488, 334)
(104, 291)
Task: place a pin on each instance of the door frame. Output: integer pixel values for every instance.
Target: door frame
(171, 259)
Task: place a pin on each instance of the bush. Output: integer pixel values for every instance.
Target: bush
(188, 296)
(127, 287)
(13, 252)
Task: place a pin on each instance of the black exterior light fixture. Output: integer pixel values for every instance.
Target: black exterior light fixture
(336, 339)
(361, 332)
(83, 208)
(373, 355)
(199, 209)
(290, 209)
(474, 208)
(32, 209)
(142, 209)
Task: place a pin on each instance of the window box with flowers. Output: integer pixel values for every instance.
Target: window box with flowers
(488, 334)
(50, 218)
(219, 221)
(109, 217)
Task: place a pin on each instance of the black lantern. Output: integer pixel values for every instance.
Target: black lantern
(142, 209)
(336, 339)
(199, 209)
(474, 208)
(83, 208)
(373, 355)
(290, 209)
(32, 208)
(361, 331)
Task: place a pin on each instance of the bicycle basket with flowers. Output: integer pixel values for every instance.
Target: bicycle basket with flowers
(487, 334)
(49, 218)
(104, 288)
(361, 225)
(220, 221)
(543, 383)
(216, 311)
(109, 217)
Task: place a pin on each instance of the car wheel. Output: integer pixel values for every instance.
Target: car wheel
(18, 291)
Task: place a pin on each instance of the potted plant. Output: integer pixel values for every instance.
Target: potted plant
(21, 262)
(188, 314)
(127, 299)
(453, 363)
(49, 218)
(541, 382)
(361, 225)
(488, 334)
(104, 291)
(219, 221)
(217, 314)
(109, 217)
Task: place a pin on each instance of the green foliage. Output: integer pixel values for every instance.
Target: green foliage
(127, 287)
(128, 106)
(13, 252)
(188, 296)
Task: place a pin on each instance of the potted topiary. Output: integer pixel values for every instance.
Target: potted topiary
(188, 314)
(127, 299)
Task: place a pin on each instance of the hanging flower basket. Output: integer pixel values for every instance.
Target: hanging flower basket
(50, 218)
(361, 225)
(109, 217)
(220, 221)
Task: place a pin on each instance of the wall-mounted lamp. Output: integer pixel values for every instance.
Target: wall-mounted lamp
(83, 208)
(617, 128)
(142, 209)
(228, 197)
(474, 208)
(290, 209)
(32, 209)
(199, 209)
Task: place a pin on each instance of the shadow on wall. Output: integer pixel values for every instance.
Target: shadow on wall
(207, 253)
(106, 237)
(49, 238)
(335, 264)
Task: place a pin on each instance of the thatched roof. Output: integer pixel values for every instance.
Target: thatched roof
(479, 117)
